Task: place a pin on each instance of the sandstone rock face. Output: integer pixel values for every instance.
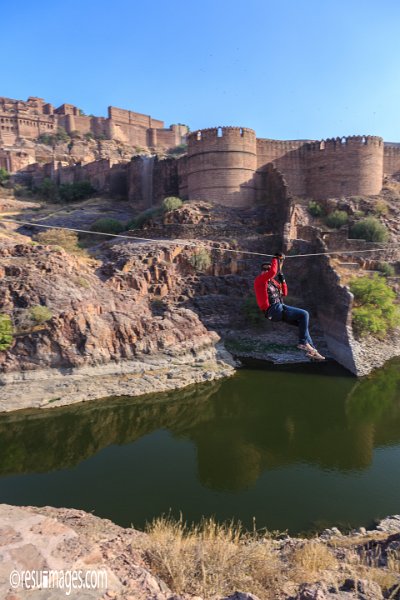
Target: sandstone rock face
(102, 322)
(50, 539)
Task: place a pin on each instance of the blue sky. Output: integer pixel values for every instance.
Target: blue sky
(290, 69)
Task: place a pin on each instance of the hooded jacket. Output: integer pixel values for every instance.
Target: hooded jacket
(261, 283)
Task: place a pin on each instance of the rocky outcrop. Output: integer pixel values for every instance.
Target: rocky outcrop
(95, 326)
(61, 540)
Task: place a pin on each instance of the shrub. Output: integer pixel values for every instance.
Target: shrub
(201, 259)
(177, 150)
(40, 314)
(6, 332)
(386, 269)
(107, 225)
(144, 217)
(171, 203)
(48, 190)
(315, 209)
(68, 240)
(4, 176)
(380, 208)
(370, 229)
(22, 191)
(71, 192)
(337, 218)
(51, 139)
(251, 311)
(88, 136)
(375, 310)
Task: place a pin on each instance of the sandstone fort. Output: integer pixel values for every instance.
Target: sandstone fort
(230, 165)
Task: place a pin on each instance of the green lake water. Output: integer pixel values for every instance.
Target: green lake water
(294, 450)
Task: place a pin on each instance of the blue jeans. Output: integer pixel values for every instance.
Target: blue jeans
(293, 316)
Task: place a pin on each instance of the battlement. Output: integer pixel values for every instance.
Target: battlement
(342, 143)
(215, 133)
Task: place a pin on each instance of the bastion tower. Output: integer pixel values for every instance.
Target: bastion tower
(227, 165)
(221, 165)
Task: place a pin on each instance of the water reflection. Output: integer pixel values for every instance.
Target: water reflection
(240, 429)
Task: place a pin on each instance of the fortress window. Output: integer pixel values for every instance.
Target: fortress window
(322, 146)
(364, 140)
(241, 132)
(198, 137)
(343, 140)
(219, 132)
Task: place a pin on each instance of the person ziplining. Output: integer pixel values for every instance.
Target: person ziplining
(270, 287)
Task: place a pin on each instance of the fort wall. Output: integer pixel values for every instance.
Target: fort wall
(391, 160)
(344, 167)
(34, 117)
(221, 165)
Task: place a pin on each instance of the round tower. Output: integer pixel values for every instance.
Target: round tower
(348, 166)
(221, 165)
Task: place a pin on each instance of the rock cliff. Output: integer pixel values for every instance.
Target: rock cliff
(100, 320)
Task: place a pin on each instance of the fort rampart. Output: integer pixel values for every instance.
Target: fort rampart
(35, 117)
(221, 165)
(227, 165)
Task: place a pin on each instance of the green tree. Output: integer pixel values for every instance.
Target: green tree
(48, 190)
(375, 310)
(6, 332)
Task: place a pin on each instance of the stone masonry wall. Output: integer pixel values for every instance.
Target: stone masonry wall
(344, 167)
(221, 165)
(391, 160)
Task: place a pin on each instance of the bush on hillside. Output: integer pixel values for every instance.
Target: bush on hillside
(380, 208)
(375, 311)
(337, 219)
(171, 203)
(72, 192)
(40, 314)
(51, 139)
(48, 190)
(315, 209)
(107, 225)
(201, 259)
(68, 240)
(4, 176)
(144, 217)
(370, 229)
(386, 269)
(6, 332)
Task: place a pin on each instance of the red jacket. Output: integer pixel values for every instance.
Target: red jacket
(261, 282)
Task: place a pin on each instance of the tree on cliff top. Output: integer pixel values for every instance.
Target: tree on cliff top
(375, 310)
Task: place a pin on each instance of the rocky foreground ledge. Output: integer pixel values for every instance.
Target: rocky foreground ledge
(362, 565)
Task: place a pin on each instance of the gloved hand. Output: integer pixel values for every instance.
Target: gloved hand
(280, 256)
(280, 277)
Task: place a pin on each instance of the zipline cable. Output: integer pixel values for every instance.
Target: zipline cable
(194, 245)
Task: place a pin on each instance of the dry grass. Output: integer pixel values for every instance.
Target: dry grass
(211, 559)
(309, 560)
(68, 240)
